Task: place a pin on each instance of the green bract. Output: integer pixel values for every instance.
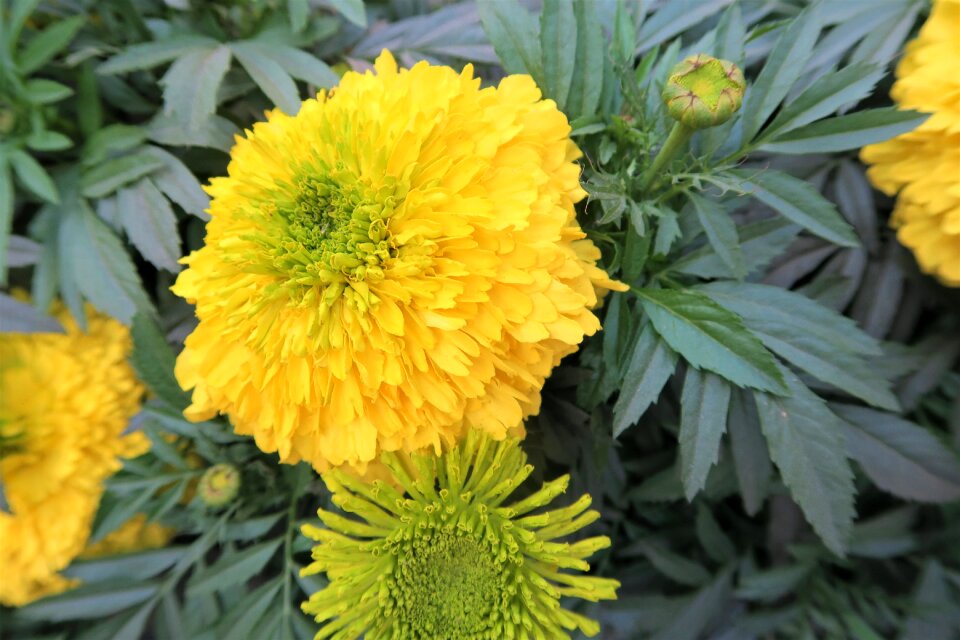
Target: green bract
(436, 553)
(703, 91)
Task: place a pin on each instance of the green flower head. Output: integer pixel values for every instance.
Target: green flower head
(703, 92)
(442, 556)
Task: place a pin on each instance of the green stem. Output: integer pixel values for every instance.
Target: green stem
(300, 481)
(678, 138)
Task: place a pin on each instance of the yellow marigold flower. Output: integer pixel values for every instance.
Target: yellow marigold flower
(443, 556)
(395, 264)
(136, 534)
(924, 165)
(65, 400)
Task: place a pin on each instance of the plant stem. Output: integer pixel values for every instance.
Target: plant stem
(678, 138)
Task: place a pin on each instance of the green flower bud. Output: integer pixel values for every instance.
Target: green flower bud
(219, 485)
(703, 91)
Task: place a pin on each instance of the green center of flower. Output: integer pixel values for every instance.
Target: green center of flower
(448, 583)
(707, 82)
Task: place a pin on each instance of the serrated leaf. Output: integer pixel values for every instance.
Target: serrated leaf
(513, 33)
(179, 184)
(782, 68)
(843, 133)
(673, 18)
(269, 76)
(108, 176)
(150, 224)
(89, 602)
(710, 337)
(825, 97)
(587, 82)
(100, 266)
(810, 336)
(134, 566)
(749, 448)
(33, 176)
(151, 54)
(153, 360)
(651, 365)
(234, 568)
(721, 231)
(20, 317)
(113, 138)
(45, 45)
(43, 91)
(712, 538)
(558, 29)
(249, 611)
(709, 603)
(703, 419)
(901, 457)
(678, 568)
(806, 443)
(760, 243)
(297, 63)
(190, 85)
(773, 584)
(799, 202)
(352, 10)
(215, 133)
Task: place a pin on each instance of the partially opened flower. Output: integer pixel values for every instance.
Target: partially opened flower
(398, 262)
(65, 401)
(444, 555)
(923, 166)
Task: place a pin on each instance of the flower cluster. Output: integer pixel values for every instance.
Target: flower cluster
(438, 552)
(398, 263)
(65, 400)
(923, 166)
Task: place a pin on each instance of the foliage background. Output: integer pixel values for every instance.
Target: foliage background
(769, 423)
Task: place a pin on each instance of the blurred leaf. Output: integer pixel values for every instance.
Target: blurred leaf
(48, 141)
(679, 569)
(933, 610)
(153, 360)
(703, 420)
(751, 459)
(110, 175)
(21, 251)
(673, 18)
(191, 85)
(352, 10)
(6, 214)
(297, 63)
(179, 184)
(799, 202)
(112, 139)
(513, 33)
(901, 457)
(760, 242)
(587, 80)
(32, 175)
(651, 365)
(269, 76)
(234, 568)
(150, 224)
(843, 133)
(45, 45)
(558, 30)
(773, 584)
(711, 338)
(781, 70)
(710, 602)
(42, 91)
(21, 317)
(216, 133)
(721, 232)
(712, 538)
(299, 12)
(140, 565)
(89, 602)
(249, 611)
(806, 442)
(151, 54)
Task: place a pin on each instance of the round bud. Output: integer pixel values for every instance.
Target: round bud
(703, 92)
(219, 485)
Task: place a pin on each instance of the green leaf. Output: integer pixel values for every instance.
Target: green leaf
(721, 231)
(89, 602)
(234, 568)
(299, 12)
(760, 243)
(711, 602)
(824, 97)
(297, 63)
(89, 104)
(6, 214)
(45, 45)
(558, 30)
(751, 460)
(843, 133)
(810, 336)
(352, 10)
(151, 54)
(99, 265)
(783, 66)
(153, 360)
(42, 91)
(673, 18)
(933, 608)
(799, 202)
(730, 35)
(112, 139)
(703, 419)
(48, 141)
(712, 538)
(150, 224)
(179, 184)
(806, 443)
(33, 176)
(711, 338)
(20, 317)
(269, 76)
(513, 34)
(901, 457)
(651, 365)
(191, 85)
(132, 566)
(20, 11)
(109, 176)
(624, 36)
(248, 612)
(678, 568)
(767, 586)
(587, 81)
(216, 133)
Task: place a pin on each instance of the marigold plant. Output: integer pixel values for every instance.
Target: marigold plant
(396, 263)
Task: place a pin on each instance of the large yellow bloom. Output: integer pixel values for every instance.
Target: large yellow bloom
(395, 264)
(924, 165)
(65, 400)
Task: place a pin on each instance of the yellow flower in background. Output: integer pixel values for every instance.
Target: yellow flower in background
(136, 534)
(923, 166)
(397, 263)
(65, 400)
(437, 551)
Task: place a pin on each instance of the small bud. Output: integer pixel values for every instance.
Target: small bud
(219, 485)
(703, 91)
